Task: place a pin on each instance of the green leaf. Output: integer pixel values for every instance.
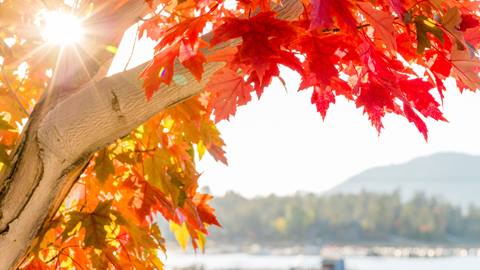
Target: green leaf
(125, 157)
(94, 224)
(103, 166)
(4, 125)
(72, 223)
(425, 25)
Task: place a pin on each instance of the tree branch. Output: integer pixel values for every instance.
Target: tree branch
(64, 132)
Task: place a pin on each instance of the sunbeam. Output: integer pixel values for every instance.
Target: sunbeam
(61, 28)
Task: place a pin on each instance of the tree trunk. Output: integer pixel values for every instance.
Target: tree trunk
(62, 134)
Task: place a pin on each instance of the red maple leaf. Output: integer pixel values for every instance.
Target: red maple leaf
(160, 70)
(263, 47)
(322, 98)
(320, 57)
(205, 211)
(417, 92)
(192, 59)
(36, 264)
(469, 21)
(181, 40)
(229, 90)
(376, 99)
(150, 200)
(325, 13)
(413, 117)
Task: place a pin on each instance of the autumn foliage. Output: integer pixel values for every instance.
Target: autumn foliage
(386, 56)
(360, 50)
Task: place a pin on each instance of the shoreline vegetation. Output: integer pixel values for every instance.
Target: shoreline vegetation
(362, 219)
(358, 225)
(341, 251)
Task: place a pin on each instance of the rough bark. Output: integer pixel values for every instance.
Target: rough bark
(62, 134)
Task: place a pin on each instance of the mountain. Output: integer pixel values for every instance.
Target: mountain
(453, 177)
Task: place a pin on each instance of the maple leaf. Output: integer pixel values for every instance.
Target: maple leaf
(441, 64)
(103, 166)
(188, 31)
(5, 125)
(262, 49)
(148, 238)
(472, 36)
(379, 65)
(204, 210)
(229, 90)
(150, 200)
(98, 262)
(181, 234)
(441, 68)
(192, 59)
(404, 43)
(212, 141)
(413, 117)
(321, 57)
(36, 264)
(376, 99)
(322, 98)
(382, 22)
(397, 7)
(424, 26)
(324, 11)
(196, 126)
(323, 54)
(417, 92)
(468, 21)
(466, 68)
(151, 28)
(451, 23)
(181, 41)
(94, 224)
(160, 70)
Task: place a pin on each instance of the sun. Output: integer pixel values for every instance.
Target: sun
(60, 28)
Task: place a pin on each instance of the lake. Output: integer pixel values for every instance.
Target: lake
(247, 261)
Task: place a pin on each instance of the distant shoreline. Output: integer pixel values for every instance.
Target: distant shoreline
(340, 251)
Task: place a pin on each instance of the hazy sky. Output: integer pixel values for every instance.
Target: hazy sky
(280, 145)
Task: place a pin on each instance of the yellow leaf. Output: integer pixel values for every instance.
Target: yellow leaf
(201, 149)
(156, 261)
(181, 234)
(201, 240)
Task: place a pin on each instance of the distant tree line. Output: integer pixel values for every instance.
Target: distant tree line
(365, 217)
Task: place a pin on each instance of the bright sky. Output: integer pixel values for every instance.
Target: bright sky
(280, 144)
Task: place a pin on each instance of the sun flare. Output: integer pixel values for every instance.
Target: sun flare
(61, 28)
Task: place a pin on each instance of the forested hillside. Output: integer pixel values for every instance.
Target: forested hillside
(361, 218)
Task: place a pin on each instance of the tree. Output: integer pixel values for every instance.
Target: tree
(123, 155)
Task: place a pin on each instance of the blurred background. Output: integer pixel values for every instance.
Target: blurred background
(422, 214)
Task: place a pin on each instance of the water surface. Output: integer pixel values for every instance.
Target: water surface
(247, 261)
